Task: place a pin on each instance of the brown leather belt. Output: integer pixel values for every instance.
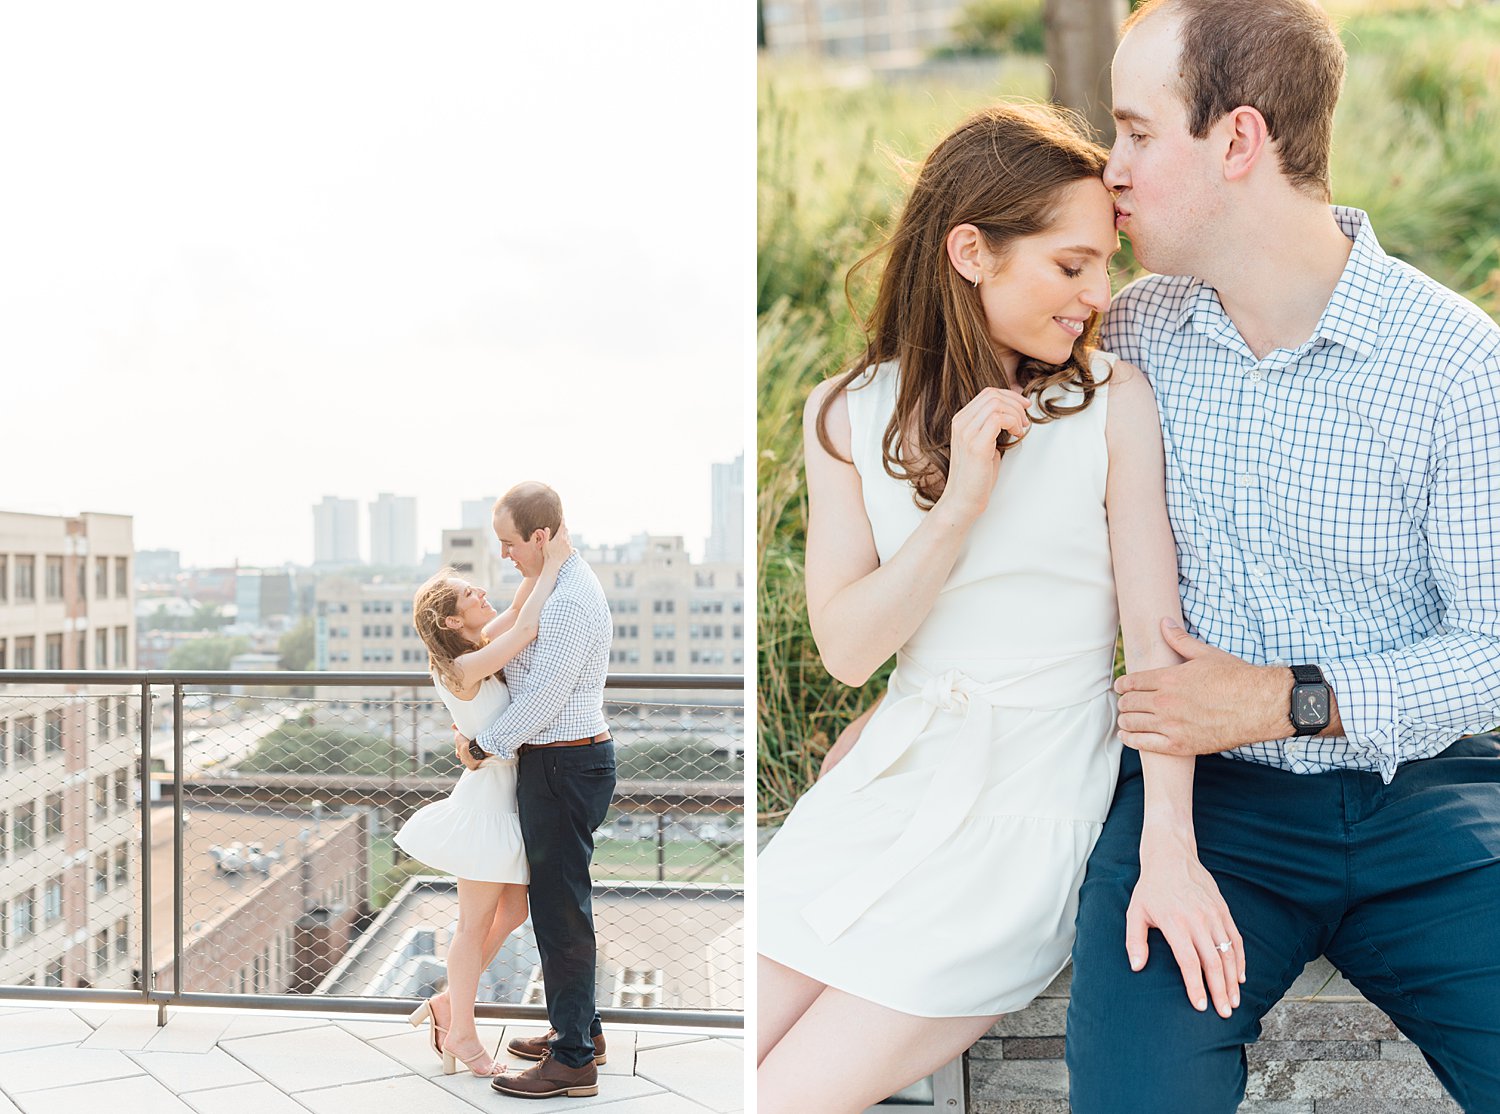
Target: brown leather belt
(602, 737)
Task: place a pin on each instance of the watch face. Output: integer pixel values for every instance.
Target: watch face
(1309, 705)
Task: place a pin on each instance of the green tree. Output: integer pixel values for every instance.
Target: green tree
(297, 647)
(298, 748)
(213, 652)
(998, 27)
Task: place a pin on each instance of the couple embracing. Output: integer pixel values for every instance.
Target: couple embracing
(1275, 469)
(539, 775)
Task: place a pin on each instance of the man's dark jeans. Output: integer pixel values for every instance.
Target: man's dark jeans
(562, 796)
(1398, 885)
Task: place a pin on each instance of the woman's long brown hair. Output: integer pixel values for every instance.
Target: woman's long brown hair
(433, 603)
(1002, 170)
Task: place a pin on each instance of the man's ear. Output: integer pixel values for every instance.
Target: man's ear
(1248, 141)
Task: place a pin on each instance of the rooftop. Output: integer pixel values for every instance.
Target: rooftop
(56, 1060)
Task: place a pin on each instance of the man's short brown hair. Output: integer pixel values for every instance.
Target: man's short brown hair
(1281, 57)
(532, 506)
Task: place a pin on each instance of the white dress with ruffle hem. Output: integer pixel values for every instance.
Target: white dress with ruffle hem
(474, 832)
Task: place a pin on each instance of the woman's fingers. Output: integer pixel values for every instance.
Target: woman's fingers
(1188, 963)
(1215, 962)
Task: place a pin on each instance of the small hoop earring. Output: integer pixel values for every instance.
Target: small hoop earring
(975, 280)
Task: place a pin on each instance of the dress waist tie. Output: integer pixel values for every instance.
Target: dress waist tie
(950, 796)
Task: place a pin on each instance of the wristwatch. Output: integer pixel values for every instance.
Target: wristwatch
(477, 752)
(1312, 700)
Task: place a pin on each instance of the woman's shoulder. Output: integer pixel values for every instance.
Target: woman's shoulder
(449, 695)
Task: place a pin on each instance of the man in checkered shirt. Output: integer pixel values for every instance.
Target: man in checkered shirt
(565, 781)
(1329, 420)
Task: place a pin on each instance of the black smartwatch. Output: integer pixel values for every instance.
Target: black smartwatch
(1312, 700)
(477, 752)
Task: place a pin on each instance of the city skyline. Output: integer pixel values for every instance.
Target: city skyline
(436, 276)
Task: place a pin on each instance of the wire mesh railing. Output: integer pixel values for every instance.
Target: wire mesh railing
(227, 839)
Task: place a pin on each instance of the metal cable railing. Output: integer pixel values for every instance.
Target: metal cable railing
(225, 839)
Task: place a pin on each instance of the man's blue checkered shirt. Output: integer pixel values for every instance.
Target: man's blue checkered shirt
(1338, 504)
(557, 682)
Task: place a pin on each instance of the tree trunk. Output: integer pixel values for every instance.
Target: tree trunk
(1081, 36)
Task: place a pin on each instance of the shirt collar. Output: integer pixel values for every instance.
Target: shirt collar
(1352, 316)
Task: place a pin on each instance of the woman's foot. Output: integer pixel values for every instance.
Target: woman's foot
(437, 1016)
(471, 1053)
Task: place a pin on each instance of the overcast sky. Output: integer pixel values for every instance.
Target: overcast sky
(255, 254)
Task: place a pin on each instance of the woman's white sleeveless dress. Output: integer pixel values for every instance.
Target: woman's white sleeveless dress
(936, 869)
(474, 832)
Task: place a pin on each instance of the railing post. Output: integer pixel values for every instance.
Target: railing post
(148, 968)
(177, 831)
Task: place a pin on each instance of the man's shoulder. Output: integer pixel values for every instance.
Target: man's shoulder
(1148, 309)
(1422, 311)
(578, 591)
(1151, 292)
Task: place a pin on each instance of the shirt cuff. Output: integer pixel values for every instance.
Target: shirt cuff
(491, 742)
(1365, 690)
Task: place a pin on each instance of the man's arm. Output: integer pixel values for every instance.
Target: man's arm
(564, 646)
(1395, 705)
(1413, 700)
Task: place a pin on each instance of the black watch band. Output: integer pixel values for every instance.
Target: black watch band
(477, 752)
(1311, 701)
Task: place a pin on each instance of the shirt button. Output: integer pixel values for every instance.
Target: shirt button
(1259, 570)
(1257, 374)
(1247, 479)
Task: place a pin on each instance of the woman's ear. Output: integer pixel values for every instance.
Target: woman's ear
(453, 622)
(966, 253)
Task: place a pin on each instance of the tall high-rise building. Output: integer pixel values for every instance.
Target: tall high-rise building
(68, 892)
(478, 514)
(726, 540)
(336, 532)
(393, 530)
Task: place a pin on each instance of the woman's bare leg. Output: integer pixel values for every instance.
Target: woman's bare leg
(510, 911)
(477, 902)
(781, 997)
(846, 1053)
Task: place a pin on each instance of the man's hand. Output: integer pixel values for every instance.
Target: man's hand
(461, 750)
(1178, 897)
(1213, 701)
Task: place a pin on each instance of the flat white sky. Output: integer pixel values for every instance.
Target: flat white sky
(255, 254)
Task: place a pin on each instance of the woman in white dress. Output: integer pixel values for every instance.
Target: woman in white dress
(474, 833)
(982, 486)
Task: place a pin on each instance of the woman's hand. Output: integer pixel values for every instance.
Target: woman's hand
(973, 459)
(1178, 897)
(559, 547)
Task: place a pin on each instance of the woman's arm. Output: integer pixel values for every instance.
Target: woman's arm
(1175, 893)
(862, 611)
(507, 618)
(506, 644)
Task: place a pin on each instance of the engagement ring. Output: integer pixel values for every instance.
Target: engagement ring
(1224, 947)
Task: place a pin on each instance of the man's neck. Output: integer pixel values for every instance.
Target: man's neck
(1275, 287)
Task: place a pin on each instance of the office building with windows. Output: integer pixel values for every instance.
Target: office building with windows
(68, 821)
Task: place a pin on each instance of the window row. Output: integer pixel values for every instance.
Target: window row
(18, 577)
(20, 653)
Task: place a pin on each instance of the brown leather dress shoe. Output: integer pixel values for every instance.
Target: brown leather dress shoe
(533, 1048)
(548, 1080)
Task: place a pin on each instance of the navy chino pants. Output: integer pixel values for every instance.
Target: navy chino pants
(562, 795)
(1399, 885)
